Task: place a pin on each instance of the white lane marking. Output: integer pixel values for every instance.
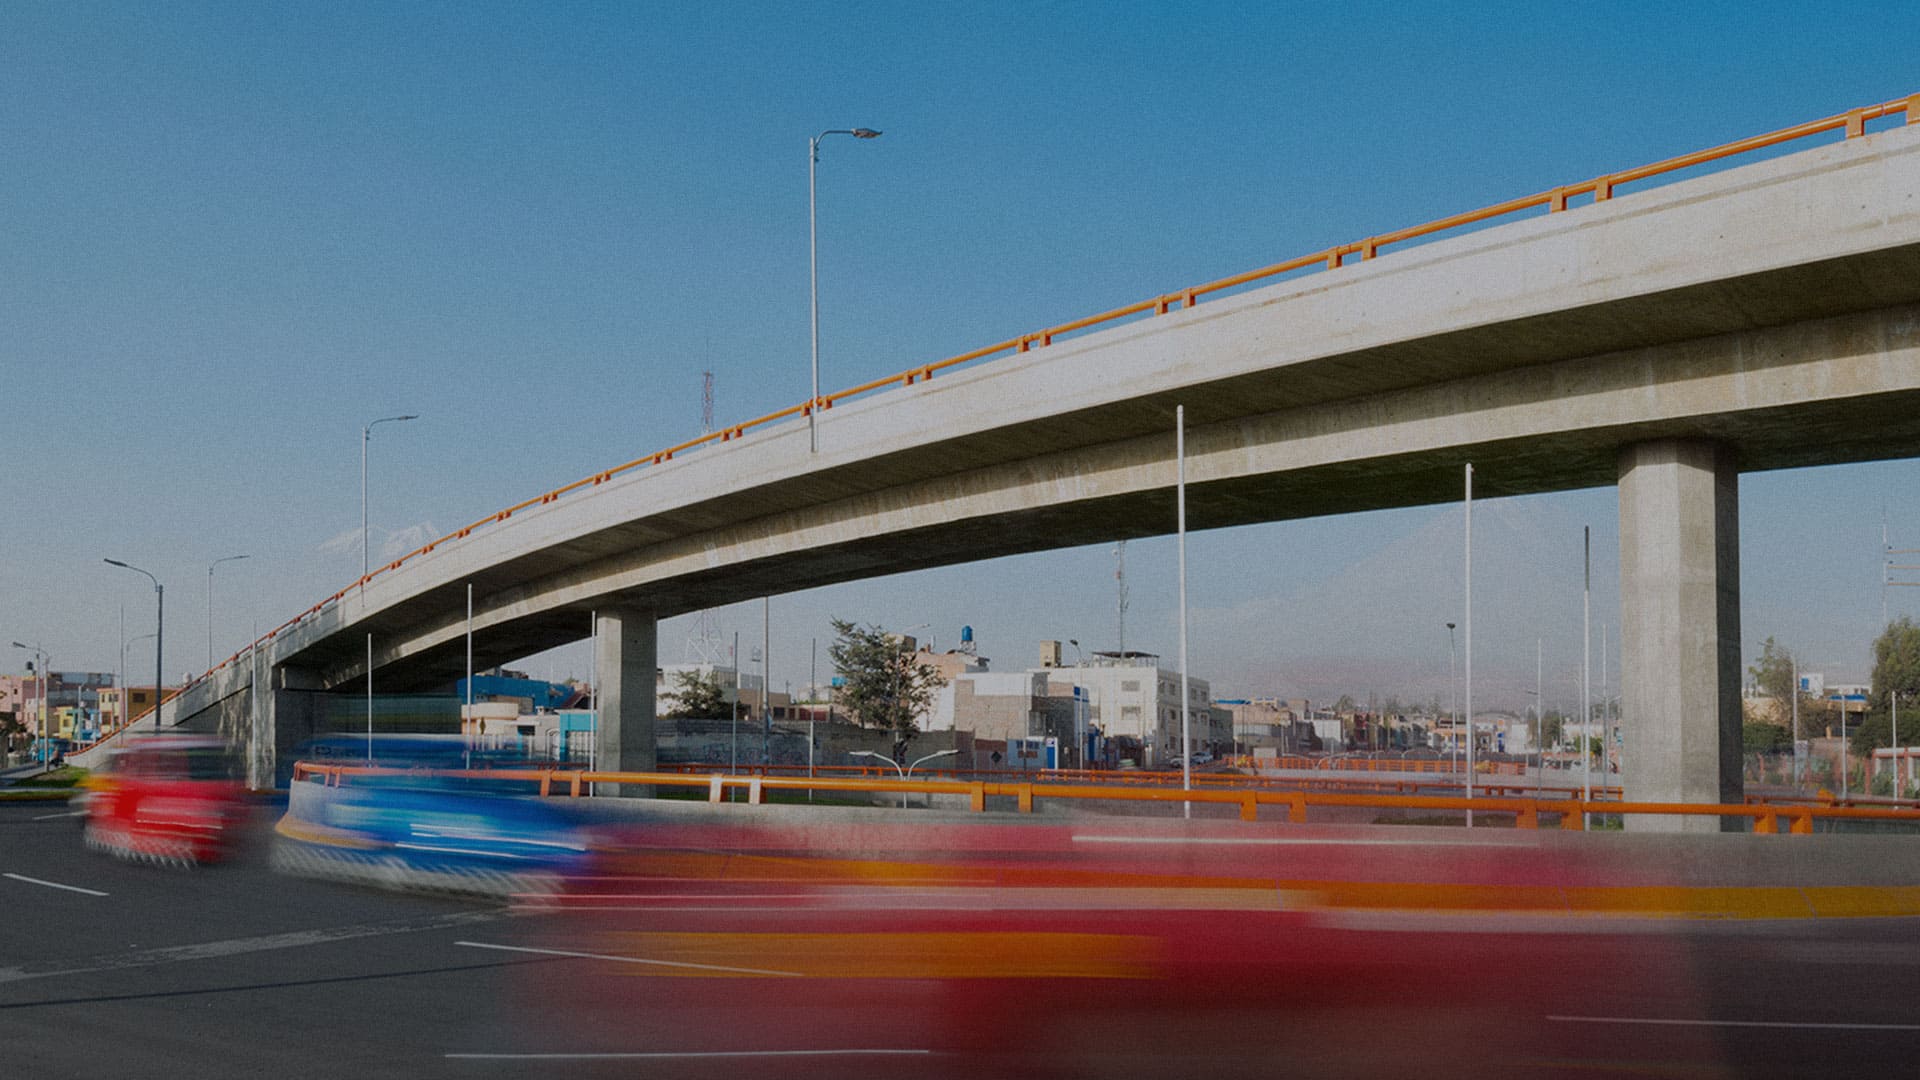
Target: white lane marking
(639, 1056)
(50, 817)
(1277, 841)
(235, 946)
(53, 884)
(1665, 1022)
(623, 959)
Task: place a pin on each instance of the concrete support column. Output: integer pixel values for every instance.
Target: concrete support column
(627, 664)
(1680, 629)
(289, 710)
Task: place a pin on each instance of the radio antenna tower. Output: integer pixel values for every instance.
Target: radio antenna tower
(704, 645)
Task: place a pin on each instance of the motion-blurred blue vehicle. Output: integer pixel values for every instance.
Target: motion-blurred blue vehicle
(398, 823)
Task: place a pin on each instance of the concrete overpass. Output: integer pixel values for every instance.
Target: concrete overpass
(1667, 340)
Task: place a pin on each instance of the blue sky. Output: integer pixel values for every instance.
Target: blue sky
(236, 232)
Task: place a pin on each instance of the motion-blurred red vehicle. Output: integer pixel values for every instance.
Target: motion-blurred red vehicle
(170, 799)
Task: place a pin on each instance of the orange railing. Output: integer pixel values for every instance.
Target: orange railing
(1555, 199)
(1527, 813)
(1156, 778)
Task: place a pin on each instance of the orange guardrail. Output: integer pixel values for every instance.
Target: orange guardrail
(1527, 812)
(1145, 777)
(1555, 199)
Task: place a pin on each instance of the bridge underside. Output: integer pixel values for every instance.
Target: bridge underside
(1554, 427)
(1763, 318)
(1571, 424)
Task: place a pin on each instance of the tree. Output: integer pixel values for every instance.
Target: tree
(1773, 673)
(1552, 726)
(698, 695)
(1344, 705)
(1896, 669)
(881, 683)
(1760, 737)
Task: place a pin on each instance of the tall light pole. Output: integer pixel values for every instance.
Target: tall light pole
(1468, 620)
(1893, 701)
(40, 654)
(813, 267)
(159, 636)
(366, 436)
(1453, 705)
(126, 698)
(1586, 665)
(210, 567)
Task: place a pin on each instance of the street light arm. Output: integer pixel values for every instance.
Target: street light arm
(130, 566)
(858, 133)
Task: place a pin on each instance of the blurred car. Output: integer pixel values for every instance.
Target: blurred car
(175, 799)
(397, 819)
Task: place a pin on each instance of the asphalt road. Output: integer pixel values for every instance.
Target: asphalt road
(110, 969)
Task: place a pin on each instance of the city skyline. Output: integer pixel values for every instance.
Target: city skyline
(243, 235)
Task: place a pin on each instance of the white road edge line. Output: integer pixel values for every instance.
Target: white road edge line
(642, 1055)
(54, 884)
(50, 817)
(1666, 1022)
(626, 959)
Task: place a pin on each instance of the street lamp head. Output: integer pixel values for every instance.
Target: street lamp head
(115, 562)
(1449, 626)
(864, 133)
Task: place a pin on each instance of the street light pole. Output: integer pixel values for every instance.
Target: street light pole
(366, 436)
(126, 700)
(159, 636)
(210, 567)
(40, 655)
(813, 267)
(1453, 706)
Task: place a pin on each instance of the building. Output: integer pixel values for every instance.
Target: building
(1262, 724)
(1135, 703)
(119, 704)
(67, 701)
(742, 688)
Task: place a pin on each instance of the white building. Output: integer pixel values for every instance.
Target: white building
(1130, 696)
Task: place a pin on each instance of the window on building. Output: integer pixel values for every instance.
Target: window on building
(1130, 686)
